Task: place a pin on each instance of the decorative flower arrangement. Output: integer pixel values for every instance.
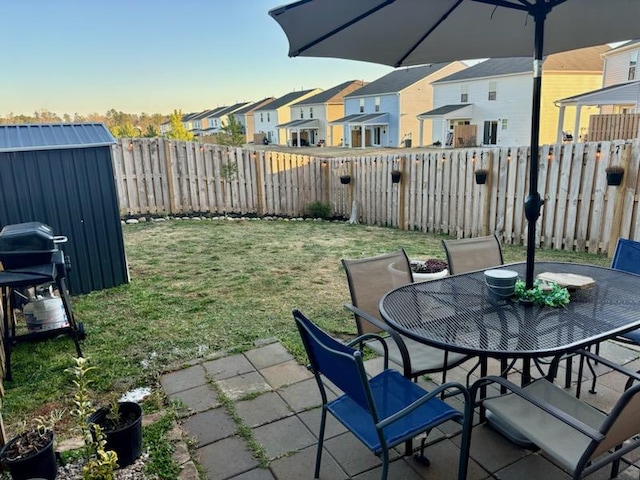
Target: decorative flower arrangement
(432, 265)
(543, 293)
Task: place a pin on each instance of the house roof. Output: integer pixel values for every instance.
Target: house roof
(397, 80)
(253, 106)
(226, 110)
(363, 118)
(205, 113)
(334, 94)
(441, 111)
(284, 100)
(301, 123)
(621, 94)
(625, 45)
(189, 116)
(583, 59)
(39, 136)
(491, 68)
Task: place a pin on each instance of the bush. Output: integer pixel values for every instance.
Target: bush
(319, 209)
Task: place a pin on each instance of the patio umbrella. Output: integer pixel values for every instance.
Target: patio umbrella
(414, 32)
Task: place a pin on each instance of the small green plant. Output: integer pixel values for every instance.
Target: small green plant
(549, 294)
(101, 463)
(228, 170)
(319, 209)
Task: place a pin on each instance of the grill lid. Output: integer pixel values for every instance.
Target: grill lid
(27, 237)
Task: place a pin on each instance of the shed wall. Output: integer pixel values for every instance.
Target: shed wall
(73, 191)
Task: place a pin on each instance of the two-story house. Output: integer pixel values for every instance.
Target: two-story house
(620, 94)
(244, 117)
(311, 117)
(384, 112)
(219, 117)
(491, 102)
(267, 117)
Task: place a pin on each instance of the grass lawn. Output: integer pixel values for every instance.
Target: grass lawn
(198, 287)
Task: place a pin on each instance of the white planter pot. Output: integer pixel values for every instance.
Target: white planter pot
(417, 277)
(425, 277)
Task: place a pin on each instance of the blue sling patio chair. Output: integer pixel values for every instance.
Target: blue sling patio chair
(381, 412)
(627, 259)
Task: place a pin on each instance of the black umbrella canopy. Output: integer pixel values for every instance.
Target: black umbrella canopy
(415, 32)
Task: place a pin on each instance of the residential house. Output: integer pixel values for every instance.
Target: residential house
(219, 117)
(311, 117)
(187, 120)
(490, 103)
(244, 116)
(620, 95)
(384, 112)
(267, 118)
(199, 123)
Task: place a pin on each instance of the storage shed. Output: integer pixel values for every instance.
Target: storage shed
(62, 175)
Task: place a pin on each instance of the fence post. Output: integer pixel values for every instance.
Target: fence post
(486, 194)
(169, 173)
(616, 222)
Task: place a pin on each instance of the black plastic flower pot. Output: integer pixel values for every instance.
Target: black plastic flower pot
(345, 179)
(41, 464)
(396, 175)
(481, 178)
(614, 178)
(125, 440)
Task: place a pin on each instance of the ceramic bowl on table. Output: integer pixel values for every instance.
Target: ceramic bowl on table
(501, 282)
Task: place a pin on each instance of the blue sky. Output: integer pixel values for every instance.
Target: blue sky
(85, 56)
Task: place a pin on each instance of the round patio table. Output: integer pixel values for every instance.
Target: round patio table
(459, 313)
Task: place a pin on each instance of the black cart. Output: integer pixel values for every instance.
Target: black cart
(31, 257)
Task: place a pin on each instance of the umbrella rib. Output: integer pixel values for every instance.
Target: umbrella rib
(436, 25)
(524, 4)
(341, 27)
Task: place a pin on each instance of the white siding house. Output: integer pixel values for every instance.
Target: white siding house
(244, 116)
(219, 117)
(384, 112)
(621, 64)
(267, 118)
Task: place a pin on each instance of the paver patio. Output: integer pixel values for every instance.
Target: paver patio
(277, 398)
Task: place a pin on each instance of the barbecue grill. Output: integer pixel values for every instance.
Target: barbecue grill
(31, 257)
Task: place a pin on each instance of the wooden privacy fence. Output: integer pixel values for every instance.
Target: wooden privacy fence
(437, 191)
(613, 126)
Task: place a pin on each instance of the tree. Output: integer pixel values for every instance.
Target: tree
(232, 133)
(178, 130)
(152, 131)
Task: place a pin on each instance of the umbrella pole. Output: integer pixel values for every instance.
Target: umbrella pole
(533, 202)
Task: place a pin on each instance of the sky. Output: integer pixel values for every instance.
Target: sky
(152, 56)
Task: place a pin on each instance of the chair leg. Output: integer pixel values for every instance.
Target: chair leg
(323, 422)
(420, 456)
(385, 464)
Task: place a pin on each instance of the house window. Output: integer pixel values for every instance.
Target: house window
(464, 93)
(492, 90)
(377, 107)
(362, 105)
(268, 117)
(633, 61)
(261, 117)
(505, 124)
(301, 113)
(310, 112)
(490, 136)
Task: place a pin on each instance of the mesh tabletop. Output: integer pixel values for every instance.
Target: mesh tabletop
(461, 314)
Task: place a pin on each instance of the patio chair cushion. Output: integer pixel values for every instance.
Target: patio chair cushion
(559, 440)
(391, 393)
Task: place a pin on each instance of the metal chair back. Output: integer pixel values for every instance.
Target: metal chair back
(370, 278)
(469, 254)
(627, 256)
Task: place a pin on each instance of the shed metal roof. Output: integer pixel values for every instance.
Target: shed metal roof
(49, 136)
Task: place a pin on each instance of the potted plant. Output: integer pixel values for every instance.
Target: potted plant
(396, 175)
(345, 179)
(30, 454)
(430, 269)
(481, 176)
(614, 175)
(121, 423)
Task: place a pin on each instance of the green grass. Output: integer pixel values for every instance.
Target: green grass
(200, 287)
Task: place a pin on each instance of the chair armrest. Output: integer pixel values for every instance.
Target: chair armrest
(404, 352)
(372, 336)
(425, 398)
(547, 407)
(614, 366)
